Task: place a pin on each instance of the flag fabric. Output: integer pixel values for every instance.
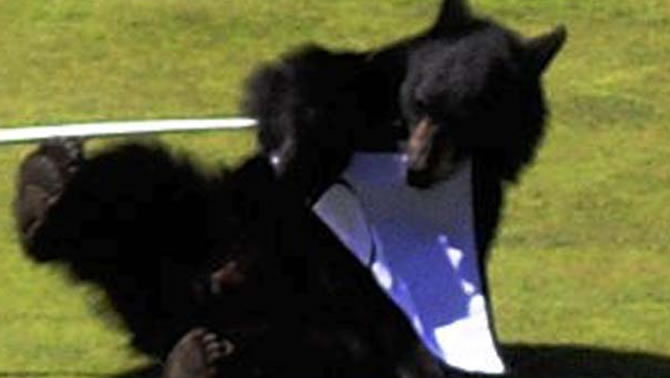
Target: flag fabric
(420, 246)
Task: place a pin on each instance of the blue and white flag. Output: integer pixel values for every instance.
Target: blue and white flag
(420, 246)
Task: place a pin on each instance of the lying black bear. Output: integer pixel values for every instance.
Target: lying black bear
(240, 253)
(175, 250)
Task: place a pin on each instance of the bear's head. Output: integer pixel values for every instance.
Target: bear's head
(473, 89)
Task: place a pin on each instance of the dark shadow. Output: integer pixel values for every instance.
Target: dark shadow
(552, 361)
(151, 371)
(525, 361)
(571, 361)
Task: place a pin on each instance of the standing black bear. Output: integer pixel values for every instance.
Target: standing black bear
(467, 89)
(240, 253)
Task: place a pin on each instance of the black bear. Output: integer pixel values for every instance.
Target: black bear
(241, 253)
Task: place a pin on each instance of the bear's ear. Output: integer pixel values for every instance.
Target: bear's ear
(454, 15)
(541, 50)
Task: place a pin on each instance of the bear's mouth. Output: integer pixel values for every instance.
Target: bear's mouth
(431, 155)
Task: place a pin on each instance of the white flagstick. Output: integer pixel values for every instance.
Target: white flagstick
(88, 130)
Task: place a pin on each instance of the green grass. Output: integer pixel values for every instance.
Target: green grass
(582, 257)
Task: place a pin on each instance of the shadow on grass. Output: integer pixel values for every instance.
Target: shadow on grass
(152, 371)
(569, 361)
(525, 361)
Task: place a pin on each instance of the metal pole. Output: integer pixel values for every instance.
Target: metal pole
(104, 129)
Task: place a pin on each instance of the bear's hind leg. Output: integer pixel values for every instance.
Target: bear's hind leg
(41, 180)
(196, 355)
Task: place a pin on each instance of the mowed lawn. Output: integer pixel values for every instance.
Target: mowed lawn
(581, 270)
